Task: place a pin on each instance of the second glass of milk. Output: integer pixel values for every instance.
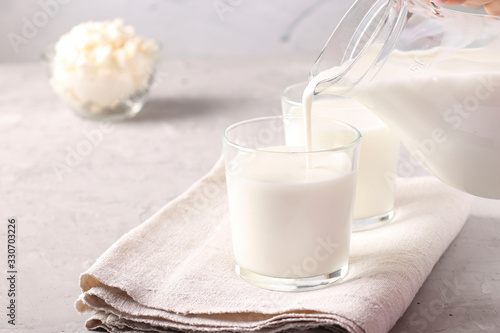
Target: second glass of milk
(374, 203)
(291, 209)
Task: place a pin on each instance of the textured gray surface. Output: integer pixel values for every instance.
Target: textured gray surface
(67, 219)
(185, 28)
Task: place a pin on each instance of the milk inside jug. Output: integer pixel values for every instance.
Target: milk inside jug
(432, 75)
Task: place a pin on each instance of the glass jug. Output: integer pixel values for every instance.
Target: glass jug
(433, 75)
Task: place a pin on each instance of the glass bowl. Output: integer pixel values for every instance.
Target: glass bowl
(97, 94)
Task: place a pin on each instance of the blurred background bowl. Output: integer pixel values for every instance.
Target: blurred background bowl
(93, 95)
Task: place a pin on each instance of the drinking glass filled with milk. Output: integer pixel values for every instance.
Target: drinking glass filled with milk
(378, 157)
(291, 207)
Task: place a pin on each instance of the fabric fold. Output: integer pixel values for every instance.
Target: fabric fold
(175, 272)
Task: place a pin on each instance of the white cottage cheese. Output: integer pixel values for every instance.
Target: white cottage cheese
(101, 64)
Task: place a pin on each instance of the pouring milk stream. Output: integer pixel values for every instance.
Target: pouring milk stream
(433, 75)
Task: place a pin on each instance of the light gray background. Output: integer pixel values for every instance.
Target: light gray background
(185, 28)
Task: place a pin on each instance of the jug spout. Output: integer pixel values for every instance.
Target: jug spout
(433, 75)
(360, 43)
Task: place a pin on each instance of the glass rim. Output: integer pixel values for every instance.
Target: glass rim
(285, 97)
(343, 147)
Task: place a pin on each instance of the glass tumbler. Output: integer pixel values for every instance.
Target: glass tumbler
(290, 209)
(374, 203)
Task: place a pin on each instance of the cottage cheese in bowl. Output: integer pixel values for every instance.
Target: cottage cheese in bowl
(103, 69)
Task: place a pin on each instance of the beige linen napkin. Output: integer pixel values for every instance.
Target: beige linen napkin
(175, 272)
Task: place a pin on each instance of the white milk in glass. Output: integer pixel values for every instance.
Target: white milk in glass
(288, 220)
(378, 157)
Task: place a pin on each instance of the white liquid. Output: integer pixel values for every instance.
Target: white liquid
(448, 116)
(288, 220)
(378, 155)
(307, 103)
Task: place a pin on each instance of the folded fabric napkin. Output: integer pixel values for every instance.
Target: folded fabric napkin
(175, 272)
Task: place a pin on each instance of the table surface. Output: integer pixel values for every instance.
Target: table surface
(68, 216)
